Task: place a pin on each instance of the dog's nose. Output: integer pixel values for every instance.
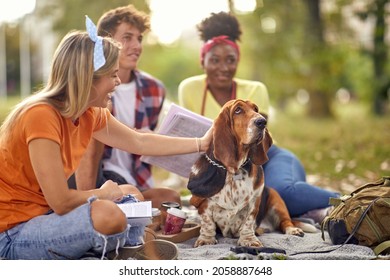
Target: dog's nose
(261, 122)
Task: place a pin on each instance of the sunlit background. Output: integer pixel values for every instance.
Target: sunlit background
(10, 12)
(168, 24)
(13, 10)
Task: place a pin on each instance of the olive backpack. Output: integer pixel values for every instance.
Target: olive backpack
(362, 217)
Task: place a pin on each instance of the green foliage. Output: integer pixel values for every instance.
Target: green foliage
(6, 106)
(12, 58)
(171, 65)
(356, 72)
(272, 56)
(70, 14)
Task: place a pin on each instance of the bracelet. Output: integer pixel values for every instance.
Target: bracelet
(198, 144)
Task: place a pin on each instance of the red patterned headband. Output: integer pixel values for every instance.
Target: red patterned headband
(216, 41)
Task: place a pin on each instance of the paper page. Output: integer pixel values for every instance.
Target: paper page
(183, 123)
(142, 221)
(137, 209)
(174, 111)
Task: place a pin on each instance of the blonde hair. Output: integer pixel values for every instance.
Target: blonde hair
(70, 81)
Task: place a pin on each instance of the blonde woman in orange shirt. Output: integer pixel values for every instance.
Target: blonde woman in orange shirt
(41, 143)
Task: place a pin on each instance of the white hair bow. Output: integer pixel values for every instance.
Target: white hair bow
(98, 55)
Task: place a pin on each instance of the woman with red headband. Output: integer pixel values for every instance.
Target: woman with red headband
(206, 94)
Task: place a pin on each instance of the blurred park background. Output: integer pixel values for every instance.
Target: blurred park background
(325, 63)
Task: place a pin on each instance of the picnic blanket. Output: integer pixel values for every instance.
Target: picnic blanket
(292, 245)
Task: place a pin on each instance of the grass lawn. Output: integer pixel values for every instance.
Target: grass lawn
(340, 153)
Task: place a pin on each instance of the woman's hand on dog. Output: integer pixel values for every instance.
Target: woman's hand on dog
(206, 140)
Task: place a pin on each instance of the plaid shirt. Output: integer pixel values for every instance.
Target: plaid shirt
(149, 100)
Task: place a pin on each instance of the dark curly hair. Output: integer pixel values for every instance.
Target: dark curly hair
(217, 24)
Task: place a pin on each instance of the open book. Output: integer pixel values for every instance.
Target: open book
(184, 123)
(140, 212)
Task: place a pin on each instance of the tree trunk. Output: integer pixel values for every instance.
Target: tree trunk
(319, 104)
(380, 59)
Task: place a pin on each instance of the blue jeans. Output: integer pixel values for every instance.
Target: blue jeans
(285, 173)
(52, 236)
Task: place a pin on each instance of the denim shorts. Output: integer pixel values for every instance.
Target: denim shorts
(51, 236)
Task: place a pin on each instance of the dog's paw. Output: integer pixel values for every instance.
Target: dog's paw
(201, 241)
(249, 241)
(295, 231)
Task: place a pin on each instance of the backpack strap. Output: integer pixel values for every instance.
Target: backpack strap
(354, 230)
(382, 247)
(336, 201)
(323, 227)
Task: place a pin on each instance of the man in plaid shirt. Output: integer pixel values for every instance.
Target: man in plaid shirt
(137, 102)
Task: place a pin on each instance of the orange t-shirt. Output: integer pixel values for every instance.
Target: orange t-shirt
(21, 197)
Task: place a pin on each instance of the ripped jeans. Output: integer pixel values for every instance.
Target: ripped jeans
(52, 236)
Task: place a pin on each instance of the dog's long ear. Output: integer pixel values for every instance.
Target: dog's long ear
(224, 141)
(258, 152)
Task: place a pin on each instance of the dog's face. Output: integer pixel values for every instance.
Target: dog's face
(240, 132)
(245, 121)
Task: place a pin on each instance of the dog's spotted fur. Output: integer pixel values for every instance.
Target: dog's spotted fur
(227, 183)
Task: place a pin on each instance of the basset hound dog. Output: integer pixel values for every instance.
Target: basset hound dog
(227, 182)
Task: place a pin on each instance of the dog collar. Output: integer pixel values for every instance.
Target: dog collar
(235, 176)
(213, 162)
